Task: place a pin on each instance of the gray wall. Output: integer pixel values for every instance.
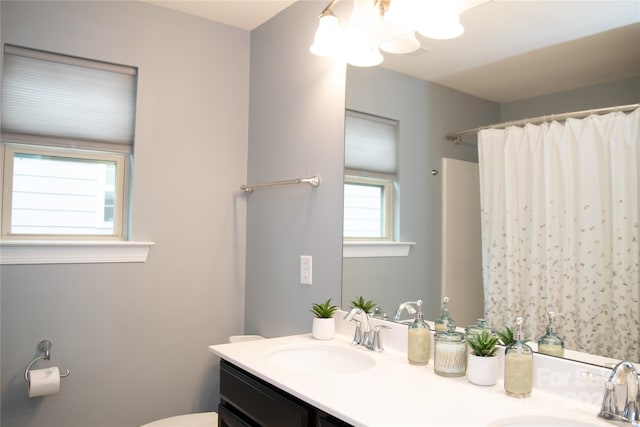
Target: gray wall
(135, 336)
(426, 112)
(621, 92)
(296, 130)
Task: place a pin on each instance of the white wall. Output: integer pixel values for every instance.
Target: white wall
(135, 336)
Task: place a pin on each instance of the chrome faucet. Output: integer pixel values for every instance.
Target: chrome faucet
(409, 306)
(623, 374)
(364, 336)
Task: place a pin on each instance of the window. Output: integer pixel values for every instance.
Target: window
(370, 177)
(67, 141)
(62, 192)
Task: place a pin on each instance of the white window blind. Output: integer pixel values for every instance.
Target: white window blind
(64, 100)
(370, 145)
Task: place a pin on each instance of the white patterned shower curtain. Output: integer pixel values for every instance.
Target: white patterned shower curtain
(560, 230)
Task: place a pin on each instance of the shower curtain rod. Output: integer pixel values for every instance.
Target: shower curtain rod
(455, 136)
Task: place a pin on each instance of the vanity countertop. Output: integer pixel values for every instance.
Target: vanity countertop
(396, 393)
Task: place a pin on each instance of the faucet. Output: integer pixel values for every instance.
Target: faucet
(404, 306)
(623, 374)
(364, 336)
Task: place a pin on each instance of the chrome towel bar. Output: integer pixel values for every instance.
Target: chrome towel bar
(314, 181)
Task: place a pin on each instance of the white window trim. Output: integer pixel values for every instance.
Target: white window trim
(374, 249)
(14, 252)
(388, 214)
(122, 168)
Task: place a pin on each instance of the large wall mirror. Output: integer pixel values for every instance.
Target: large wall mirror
(429, 104)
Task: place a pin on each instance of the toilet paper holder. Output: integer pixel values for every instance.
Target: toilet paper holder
(45, 347)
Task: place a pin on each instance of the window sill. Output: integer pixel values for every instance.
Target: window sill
(71, 252)
(352, 249)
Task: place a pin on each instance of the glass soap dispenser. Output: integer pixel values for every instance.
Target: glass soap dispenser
(551, 343)
(450, 352)
(444, 319)
(518, 364)
(419, 339)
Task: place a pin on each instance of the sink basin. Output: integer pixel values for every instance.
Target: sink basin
(539, 421)
(312, 359)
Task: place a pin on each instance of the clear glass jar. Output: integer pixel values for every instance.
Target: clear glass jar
(450, 353)
(442, 322)
(477, 328)
(551, 343)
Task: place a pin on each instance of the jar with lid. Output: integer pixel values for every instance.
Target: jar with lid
(478, 327)
(450, 353)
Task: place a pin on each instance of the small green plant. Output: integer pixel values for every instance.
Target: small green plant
(506, 336)
(484, 344)
(360, 303)
(324, 310)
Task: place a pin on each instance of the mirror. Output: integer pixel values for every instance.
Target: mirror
(427, 112)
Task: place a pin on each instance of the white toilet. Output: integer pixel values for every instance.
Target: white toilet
(200, 419)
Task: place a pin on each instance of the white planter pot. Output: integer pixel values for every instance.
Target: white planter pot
(482, 370)
(323, 329)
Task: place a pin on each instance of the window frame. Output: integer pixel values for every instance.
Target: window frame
(387, 210)
(122, 161)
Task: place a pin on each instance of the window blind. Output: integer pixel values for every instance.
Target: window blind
(62, 100)
(370, 145)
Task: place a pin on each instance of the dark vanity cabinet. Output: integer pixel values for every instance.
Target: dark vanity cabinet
(248, 401)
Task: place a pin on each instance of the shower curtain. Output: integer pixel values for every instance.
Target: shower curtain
(560, 230)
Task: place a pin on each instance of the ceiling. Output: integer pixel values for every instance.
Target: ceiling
(511, 49)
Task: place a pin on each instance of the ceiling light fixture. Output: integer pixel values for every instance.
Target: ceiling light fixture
(388, 25)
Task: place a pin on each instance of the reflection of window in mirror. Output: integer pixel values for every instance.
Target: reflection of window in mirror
(370, 177)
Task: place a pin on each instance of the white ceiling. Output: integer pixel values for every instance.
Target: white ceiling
(511, 49)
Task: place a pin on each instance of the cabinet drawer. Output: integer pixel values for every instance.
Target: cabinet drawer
(226, 418)
(259, 401)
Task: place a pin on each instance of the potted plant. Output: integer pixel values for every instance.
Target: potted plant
(482, 363)
(366, 306)
(324, 325)
(506, 336)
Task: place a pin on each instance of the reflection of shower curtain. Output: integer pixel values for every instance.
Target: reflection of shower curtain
(560, 230)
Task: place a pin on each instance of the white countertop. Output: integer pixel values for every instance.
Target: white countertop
(396, 393)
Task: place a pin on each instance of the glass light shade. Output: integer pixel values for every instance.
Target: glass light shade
(361, 49)
(328, 36)
(406, 43)
(442, 26)
(365, 57)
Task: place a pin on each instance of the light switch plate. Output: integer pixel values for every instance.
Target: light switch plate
(306, 276)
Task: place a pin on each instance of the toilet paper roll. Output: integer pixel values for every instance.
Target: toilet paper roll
(44, 381)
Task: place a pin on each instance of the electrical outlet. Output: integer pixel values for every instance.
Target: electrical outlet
(306, 269)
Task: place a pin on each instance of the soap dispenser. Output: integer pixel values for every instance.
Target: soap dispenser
(419, 339)
(518, 364)
(442, 322)
(551, 343)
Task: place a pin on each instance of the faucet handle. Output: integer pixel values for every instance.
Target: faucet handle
(376, 345)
